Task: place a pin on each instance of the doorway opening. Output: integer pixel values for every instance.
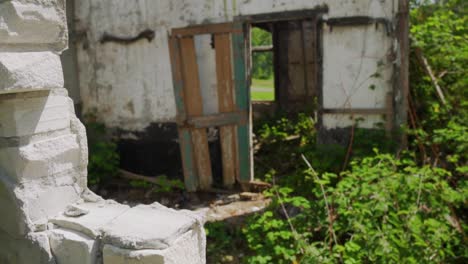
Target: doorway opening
(263, 78)
(285, 63)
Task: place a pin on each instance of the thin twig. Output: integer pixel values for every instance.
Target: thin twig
(429, 72)
(324, 197)
(414, 123)
(283, 208)
(419, 190)
(350, 147)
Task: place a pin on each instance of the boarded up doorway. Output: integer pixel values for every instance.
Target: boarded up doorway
(232, 118)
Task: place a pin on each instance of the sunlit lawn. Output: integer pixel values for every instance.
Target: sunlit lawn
(263, 90)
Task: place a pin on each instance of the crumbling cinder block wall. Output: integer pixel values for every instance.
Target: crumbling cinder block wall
(129, 87)
(43, 151)
(47, 213)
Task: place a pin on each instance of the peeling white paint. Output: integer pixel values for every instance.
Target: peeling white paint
(131, 86)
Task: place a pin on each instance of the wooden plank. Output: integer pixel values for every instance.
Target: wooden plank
(216, 120)
(188, 160)
(357, 111)
(226, 105)
(185, 139)
(205, 29)
(284, 16)
(194, 107)
(244, 148)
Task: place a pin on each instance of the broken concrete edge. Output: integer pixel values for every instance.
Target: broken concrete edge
(154, 227)
(192, 243)
(72, 247)
(67, 242)
(32, 248)
(141, 227)
(34, 25)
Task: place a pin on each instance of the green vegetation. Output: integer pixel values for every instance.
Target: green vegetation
(262, 61)
(263, 90)
(103, 156)
(384, 205)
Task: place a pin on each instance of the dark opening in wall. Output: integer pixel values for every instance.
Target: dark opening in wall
(285, 62)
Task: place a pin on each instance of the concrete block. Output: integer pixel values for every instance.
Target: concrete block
(33, 22)
(91, 224)
(147, 227)
(40, 159)
(186, 249)
(32, 248)
(115, 255)
(70, 247)
(26, 71)
(44, 200)
(23, 116)
(13, 221)
(27, 207)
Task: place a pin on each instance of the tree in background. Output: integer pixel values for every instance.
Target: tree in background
(262, 61)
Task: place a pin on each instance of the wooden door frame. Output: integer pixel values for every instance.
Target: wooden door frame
(233, 117)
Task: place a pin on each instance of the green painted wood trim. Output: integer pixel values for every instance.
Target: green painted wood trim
(190, 170)
(243, 104)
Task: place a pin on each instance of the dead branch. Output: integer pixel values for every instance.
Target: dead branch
(350, 147)
(133, 176)
(429, 72)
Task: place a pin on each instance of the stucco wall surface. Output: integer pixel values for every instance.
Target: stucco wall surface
(131, 85)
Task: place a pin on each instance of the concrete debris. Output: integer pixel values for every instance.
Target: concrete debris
(75, 211)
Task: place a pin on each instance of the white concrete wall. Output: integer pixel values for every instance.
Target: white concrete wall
(43, 151)
(131, 85)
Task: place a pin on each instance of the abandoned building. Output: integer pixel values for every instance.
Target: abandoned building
(170, 79)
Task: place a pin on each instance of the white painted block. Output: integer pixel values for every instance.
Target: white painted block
(41, 159)
(70, 247)
(33, 22)
(41, 201)
(115, 255)
(91, 224)
(147, 227)
(25, 71)
(185, 250)
(28, 116)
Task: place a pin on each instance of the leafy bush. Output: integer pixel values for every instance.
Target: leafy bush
(383, 210)
(103, 156)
